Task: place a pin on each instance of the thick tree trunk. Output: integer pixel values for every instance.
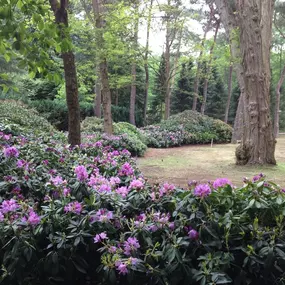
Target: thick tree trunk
(103, 67)
(146, 62)
(98, 95)
(208, 72)
(71, 86)
(277, 103)
(229, 93)
(255, 21)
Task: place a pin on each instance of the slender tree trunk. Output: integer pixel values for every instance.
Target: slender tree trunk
(229, 93)
(134, 69)
(146, 62)
(105, 86)
(98, 95)
(177, 56)
(197, 77)
(71, 85)
(208, 72)
(277, 103)
(239, 120)
(133, 94)
(167, 70)
(117, 97)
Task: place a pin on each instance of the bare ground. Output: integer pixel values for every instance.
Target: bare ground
(203, 163)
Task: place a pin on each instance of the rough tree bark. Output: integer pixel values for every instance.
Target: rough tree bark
(208, 71)
(61, 18)
(98, 98)
(277, 103)
(103, 68)
(197, 77)
(230, 81)
(254, 20)
(146, 61)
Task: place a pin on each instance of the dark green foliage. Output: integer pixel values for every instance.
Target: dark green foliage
(21, 119)
(182, 98)
(157, 102)
(188, 127)
(217, 97)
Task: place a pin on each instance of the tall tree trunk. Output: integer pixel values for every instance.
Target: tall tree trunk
(277, 103)
(146, 62)
(208, 72)
(239, 120)
(71, 85)
(105, 86)
(254, 20)
(230, 80)
(98, 95)
(175, 66)
(197, 77)
(133, 94)
(167, 69)
(134, 68)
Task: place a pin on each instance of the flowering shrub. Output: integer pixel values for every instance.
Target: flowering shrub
(188, 127)
(126, 136)
(86, 215)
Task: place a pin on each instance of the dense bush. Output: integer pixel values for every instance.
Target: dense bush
(21, 119)
(86, 216)
(126, 136)
(55, 111)
(188, 127)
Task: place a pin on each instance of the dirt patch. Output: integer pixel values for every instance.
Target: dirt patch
(203, 163)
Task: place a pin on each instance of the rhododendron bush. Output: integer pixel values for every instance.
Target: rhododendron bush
(86, 215)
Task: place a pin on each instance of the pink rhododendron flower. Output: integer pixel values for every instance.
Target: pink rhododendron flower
(81, 173)
(100, 237)
(11, 152)
(202, 190)
(73, 207)
(221, 182)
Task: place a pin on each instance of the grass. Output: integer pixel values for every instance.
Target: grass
(203, 163)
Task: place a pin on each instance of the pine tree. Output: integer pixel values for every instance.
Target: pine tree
(216, 96)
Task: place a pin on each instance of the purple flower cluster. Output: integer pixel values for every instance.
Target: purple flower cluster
(100, 237)
(73, 207)
(257, 177)
(33, 218)
(103, 216)
(126, 170)
(137, 184)
(81, 173)
(10, 152)
(131, 245)
(221, 182)
(202, 190)
(9, 206)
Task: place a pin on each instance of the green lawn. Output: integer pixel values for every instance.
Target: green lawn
(203, 163)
